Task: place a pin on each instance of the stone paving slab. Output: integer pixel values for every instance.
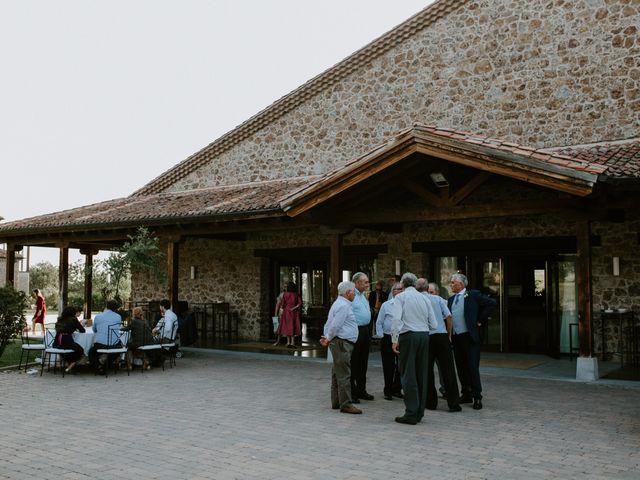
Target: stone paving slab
(229, 415)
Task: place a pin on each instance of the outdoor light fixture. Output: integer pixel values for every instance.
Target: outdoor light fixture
(398, 266)
(439, 179)
(616, 266)
(192, 272)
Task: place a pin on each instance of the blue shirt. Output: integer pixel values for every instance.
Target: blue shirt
(457, 310)
(441, 310)
(361, 309)
(383, 322)
(101, 325)
(341, 322)
(411, 312)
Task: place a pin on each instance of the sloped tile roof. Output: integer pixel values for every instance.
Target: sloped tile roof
(621, 158)
(260, 198)
(321, 82)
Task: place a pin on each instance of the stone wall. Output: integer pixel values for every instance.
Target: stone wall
(614, 292)
(542, 73)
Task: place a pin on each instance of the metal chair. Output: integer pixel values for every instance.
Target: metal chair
(28, 347)
(49, 339)
(170, 348)
(151, 345)
(118, 340)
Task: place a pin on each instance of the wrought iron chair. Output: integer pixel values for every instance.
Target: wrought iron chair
(118, 340)
(28, 347)
(150, 346)
(49, 339)
(169, 349)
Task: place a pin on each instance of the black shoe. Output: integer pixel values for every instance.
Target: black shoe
(465, 399)
(388, 397)
(365, 396)
(456, 408)
(406, 420)
(398, 395)
(477, 404)
(355, 400)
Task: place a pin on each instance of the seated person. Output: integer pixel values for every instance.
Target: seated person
(65, 326)
(101, 324)
(165, 329)
(140, 335)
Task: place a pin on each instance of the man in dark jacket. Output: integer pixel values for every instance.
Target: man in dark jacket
(469, 309)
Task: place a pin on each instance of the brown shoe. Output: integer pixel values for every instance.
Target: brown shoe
(350, 409)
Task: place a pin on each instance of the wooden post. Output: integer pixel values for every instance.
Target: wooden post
(63, 278)
(11, 265)
(585, 306)
(173, 256)
(335, 267)
(88, 281)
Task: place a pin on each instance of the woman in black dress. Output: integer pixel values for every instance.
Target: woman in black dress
(65, 326)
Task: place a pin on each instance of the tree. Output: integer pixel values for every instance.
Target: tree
(13, 305)
(140, 253)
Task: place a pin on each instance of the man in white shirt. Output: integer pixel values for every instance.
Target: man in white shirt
(340, 335)
(167, 326)
(412, 319)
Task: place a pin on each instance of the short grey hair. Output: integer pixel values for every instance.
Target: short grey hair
(357, 276)
(435, 286)
(421, 285)
(344, 287)
(460, 278)
(408, 280)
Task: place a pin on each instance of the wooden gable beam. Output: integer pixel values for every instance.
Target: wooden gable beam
(420, 190)
(469, 188)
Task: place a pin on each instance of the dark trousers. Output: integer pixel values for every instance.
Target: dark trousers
(414, 353)
(440, 351)
(66, 341)
(360, 362)
(467, 355)
(389, 367)
(94, 357)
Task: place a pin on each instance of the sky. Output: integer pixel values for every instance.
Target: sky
(97, 98)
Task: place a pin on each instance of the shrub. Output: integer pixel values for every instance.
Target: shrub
(13, 305)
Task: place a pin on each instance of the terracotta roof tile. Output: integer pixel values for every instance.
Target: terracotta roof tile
(618, 159)
(210, 202)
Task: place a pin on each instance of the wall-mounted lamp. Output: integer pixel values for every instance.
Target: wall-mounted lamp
(192, 272)
(439, 179)
(398, 266)
(616, 266)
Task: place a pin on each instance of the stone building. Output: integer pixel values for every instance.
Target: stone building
(500, 138)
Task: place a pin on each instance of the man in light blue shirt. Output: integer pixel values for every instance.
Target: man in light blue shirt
(390, 371)
(413, 318)
(105, 321)
(360, 356)
(340, 335)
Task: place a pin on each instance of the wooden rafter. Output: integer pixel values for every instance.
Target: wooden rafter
(469, 188)
(423, 193)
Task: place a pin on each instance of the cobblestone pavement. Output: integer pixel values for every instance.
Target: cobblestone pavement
(229, 415)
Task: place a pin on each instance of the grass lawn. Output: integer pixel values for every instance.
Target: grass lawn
(11, 354)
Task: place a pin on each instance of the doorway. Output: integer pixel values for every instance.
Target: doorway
(536, 299)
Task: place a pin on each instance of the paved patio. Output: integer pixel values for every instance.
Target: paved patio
(232, 415)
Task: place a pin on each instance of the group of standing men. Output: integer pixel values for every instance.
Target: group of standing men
(418, 329)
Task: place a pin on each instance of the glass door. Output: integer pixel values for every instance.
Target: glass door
(488, 277)
(563, 305)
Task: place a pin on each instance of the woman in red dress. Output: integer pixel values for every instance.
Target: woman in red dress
(41, 312)
(290, 318)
